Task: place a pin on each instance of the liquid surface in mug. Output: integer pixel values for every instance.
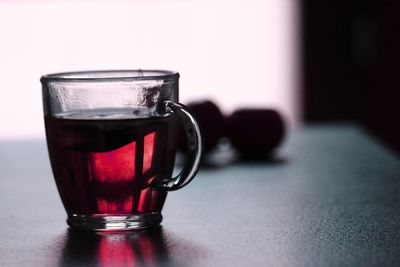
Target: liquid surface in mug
(103, 161)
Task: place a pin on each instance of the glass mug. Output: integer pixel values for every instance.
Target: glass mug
(111, 137)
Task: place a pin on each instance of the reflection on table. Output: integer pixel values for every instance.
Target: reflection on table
(131, 248)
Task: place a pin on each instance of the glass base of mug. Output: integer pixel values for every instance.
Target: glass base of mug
(114, 222)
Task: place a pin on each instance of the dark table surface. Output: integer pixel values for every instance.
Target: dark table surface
(332, 198)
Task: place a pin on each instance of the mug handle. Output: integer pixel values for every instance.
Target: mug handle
(195, 147)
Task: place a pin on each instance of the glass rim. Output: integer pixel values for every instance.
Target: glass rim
(110, 75)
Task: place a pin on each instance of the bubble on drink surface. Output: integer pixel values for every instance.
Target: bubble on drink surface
(105, 113)
(141, 112)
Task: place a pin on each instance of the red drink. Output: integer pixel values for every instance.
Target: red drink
(103, 162)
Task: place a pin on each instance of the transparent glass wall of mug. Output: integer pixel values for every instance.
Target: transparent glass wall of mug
(111, 138)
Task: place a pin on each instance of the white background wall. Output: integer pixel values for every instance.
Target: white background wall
(236, 52)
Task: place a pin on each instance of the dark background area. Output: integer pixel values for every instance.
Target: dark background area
(351, 55)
